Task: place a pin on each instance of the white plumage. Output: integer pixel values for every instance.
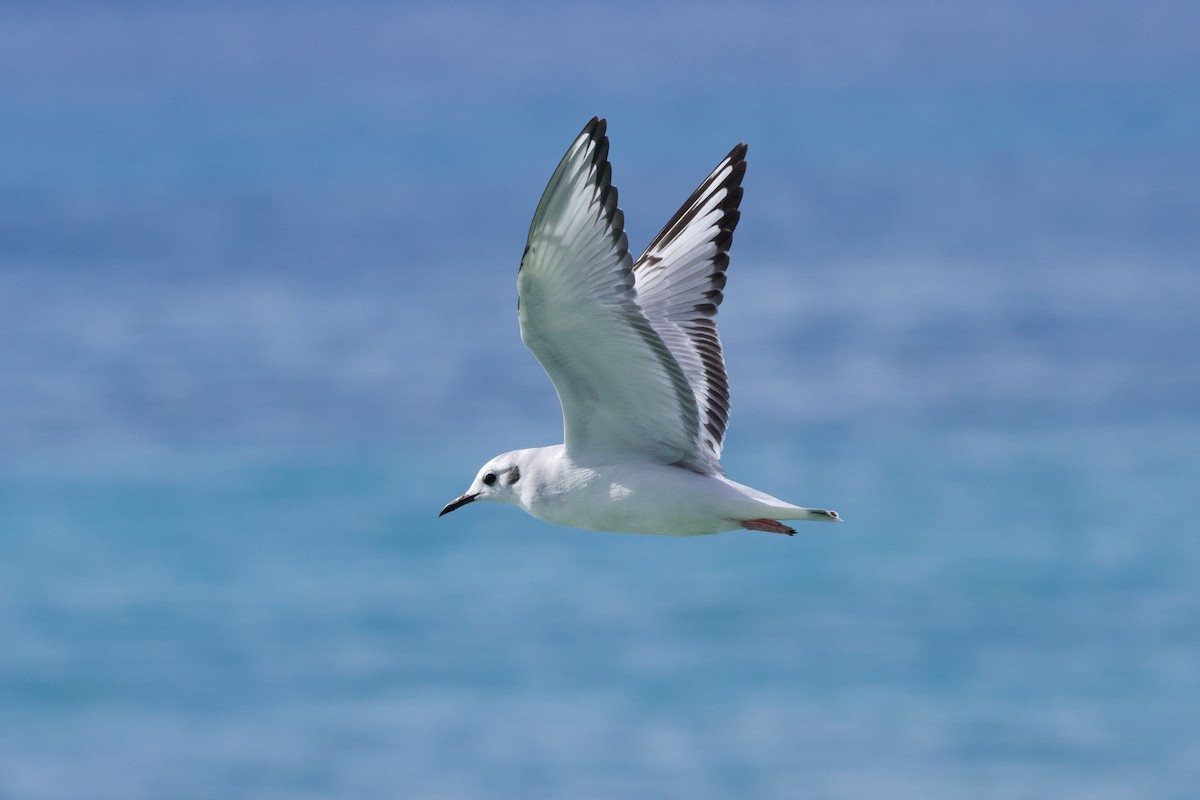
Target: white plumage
(633, 352)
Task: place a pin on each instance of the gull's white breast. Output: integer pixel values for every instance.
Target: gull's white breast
(639, 497)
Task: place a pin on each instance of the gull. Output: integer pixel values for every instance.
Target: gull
(632, 350)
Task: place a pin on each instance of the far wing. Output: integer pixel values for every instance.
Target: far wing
(679, 281)
(623, 394)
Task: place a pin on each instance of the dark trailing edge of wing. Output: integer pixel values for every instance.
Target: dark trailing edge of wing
(729, 208)
(701, 328)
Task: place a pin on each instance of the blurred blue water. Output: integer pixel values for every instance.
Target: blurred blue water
(256, 326)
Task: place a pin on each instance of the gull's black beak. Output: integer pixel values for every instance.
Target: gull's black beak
(459, 503)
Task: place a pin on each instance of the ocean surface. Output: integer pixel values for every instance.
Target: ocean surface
(257, 326)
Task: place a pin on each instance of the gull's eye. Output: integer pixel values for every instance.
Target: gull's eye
(489, 479)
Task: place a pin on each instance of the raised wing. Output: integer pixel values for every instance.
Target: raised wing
(679, 281)
(623, 394)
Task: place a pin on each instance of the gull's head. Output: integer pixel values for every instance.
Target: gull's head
(497, 481)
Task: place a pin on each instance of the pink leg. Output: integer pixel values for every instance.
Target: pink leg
(768, 525)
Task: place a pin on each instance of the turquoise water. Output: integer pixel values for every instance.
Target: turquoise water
(1004, 615)
(257, 293)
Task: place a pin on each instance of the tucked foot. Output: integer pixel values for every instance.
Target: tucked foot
(768, 525)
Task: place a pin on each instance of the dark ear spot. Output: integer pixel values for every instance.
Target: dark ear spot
(514, 475)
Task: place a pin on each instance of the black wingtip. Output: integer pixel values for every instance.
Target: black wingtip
(595, 128)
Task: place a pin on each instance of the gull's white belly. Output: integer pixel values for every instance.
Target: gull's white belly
(644, 498)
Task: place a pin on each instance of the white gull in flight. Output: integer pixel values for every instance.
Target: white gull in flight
(632, 350)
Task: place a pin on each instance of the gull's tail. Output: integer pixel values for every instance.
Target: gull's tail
(813, 514)
(758, 510)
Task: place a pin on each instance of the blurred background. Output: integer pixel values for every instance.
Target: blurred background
(257, 325)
